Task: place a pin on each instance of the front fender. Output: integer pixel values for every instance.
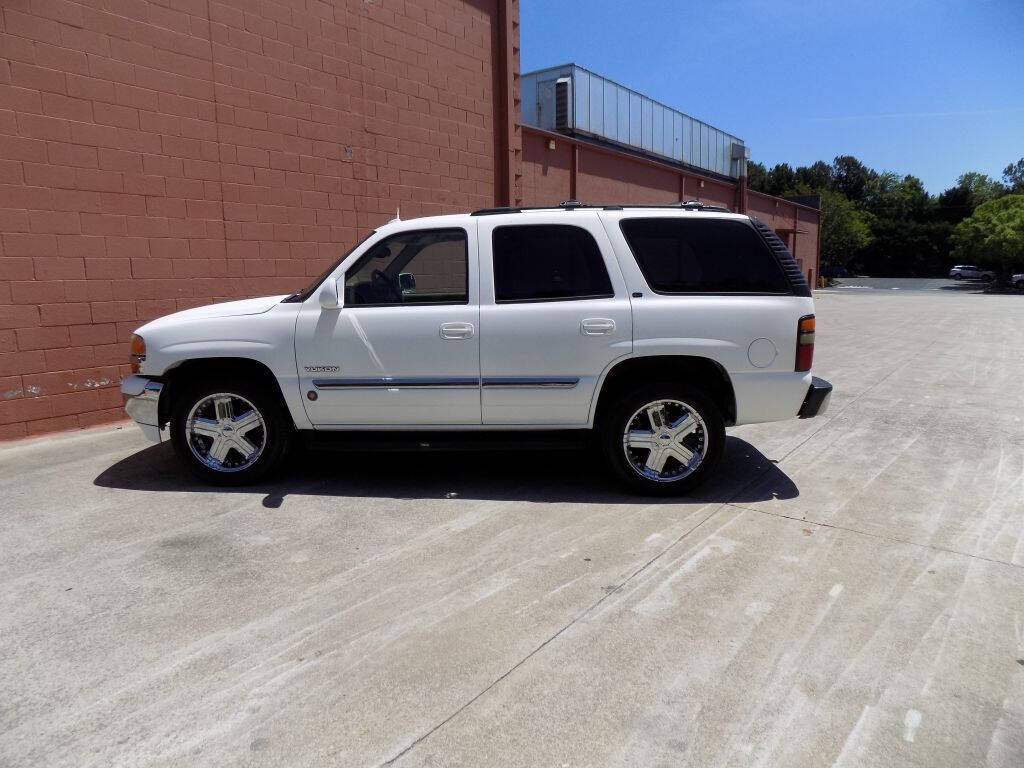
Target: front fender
(267, 338)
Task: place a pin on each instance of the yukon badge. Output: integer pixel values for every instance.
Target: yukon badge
(321, 368)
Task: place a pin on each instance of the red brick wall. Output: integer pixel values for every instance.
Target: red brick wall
(159, 154)
(547, 172)
(613, 178)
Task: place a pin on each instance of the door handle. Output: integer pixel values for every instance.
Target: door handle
(457, 330)
(597, 326)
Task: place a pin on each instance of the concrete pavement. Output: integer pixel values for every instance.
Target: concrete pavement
(849, 591)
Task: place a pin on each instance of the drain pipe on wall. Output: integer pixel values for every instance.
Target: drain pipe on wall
(740, 155)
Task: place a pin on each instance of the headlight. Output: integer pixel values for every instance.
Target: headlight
(138, 352)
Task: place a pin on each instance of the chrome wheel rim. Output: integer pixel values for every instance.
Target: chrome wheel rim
(225, 432)
(665, 441)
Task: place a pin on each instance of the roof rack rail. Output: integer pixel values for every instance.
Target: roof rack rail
(572, 205)
(698, 205)
(565, 205)
(495, 211)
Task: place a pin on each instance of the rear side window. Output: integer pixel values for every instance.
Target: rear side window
(547, 262)
(703, 256)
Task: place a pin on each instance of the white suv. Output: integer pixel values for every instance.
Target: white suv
(649, 328)
(971, 272)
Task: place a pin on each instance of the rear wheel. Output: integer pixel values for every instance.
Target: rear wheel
(663, 439)
(229, 433)
(958, 276)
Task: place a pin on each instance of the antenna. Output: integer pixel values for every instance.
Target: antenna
(398, 215)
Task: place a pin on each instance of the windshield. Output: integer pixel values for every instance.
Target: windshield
(305, 293)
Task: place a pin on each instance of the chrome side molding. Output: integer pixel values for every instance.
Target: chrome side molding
(388, 382)
(530, 382)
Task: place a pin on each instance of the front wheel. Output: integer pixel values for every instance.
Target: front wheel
(663, 439)
(229, 433)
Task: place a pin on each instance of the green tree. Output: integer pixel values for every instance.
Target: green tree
(781, 180)
(1013, 175)
(993, 235)
(903, 247)
(851, 177)
(845, 230)
(981, 187)
(972, 189)
(815, 178)
(888, 196)
(757, 176)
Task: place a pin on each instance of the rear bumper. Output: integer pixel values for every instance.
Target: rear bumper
(817, 399)
(143, 404)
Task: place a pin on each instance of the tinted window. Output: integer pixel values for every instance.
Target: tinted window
(703, 256)
(547, 262)
(425, 267)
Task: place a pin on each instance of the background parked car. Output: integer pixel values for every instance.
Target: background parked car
(1017, 281)
(971, 272)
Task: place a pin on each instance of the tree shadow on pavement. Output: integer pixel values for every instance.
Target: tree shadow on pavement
(745, 475)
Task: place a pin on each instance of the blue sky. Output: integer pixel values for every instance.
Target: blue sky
(929, 87)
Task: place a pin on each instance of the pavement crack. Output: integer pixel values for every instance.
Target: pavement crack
(608, 592)
(892, 539)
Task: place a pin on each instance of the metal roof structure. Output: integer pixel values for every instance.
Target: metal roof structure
(574, 100)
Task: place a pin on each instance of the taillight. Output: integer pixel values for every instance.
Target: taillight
(138, 353)
(804, 343)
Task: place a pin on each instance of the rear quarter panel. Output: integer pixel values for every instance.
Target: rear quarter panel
(722, 328)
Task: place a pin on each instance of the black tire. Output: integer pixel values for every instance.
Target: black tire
(958, 276)
(1019, 285)
(272, 435)
(611, 433)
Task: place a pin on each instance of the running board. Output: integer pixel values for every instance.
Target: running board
(384, 440)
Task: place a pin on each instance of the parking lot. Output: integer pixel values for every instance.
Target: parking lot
(849, 591)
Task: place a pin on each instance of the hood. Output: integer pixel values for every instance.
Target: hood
(229, 308)
(212, 311)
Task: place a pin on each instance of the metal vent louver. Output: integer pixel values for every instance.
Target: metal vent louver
(562, 96)
(796, 278)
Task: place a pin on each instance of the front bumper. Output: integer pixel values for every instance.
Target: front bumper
(143, 404)
(817, 399)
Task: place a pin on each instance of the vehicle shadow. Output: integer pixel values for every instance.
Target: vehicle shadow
(745, 475)
(966, 286)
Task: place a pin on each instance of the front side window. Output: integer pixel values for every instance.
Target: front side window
(699, 255)
(422, 267)
(547, 262)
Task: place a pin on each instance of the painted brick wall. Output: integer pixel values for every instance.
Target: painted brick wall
(160, 154)
(785, 217)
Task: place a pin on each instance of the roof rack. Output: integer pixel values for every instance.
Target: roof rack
(495, 211)
(572, 205)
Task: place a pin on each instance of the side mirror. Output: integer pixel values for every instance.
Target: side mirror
(329, 298)
(406, 281)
